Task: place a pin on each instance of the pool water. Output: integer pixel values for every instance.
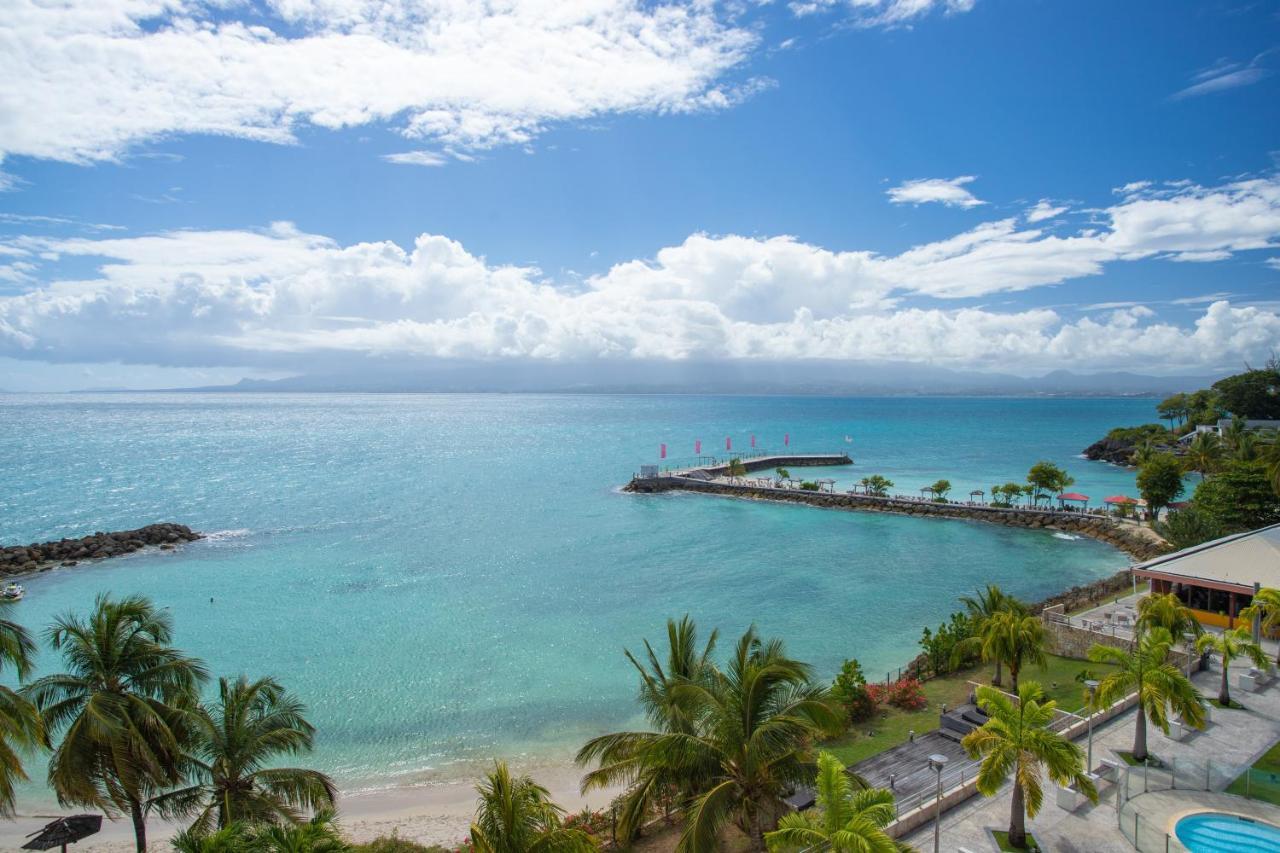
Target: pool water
(1224, 833)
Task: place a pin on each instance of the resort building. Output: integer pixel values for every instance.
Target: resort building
(1218, 579)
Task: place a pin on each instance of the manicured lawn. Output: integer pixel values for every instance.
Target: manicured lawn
(892, 726)
(1263, 778)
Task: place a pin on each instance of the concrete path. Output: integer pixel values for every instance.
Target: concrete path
(1232, 737)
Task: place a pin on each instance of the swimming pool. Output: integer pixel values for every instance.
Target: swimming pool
(1211, 832)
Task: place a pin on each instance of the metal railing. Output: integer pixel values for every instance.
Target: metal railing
(1148, 832)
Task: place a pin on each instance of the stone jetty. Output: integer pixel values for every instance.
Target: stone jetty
(1137, 541)
(20, 559)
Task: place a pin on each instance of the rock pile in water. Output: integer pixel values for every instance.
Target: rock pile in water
(18, 559)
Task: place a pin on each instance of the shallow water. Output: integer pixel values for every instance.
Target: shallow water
(445, 578)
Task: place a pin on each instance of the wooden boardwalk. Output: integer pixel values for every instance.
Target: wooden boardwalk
(905, 769)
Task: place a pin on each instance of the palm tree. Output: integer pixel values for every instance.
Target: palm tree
(1167, 611)
(847, 820)
(20, 725)
(318, 835)
(123, 706)
(1271, 458)
(1265, 606)
(1160, 685)
(516, 815)
(754, 723)
(1229, 645)
(232, 742)
(230, 839)
(1204, 454)
(981, 607)
(1019, 639)
(1016, 742)
(1246, 448)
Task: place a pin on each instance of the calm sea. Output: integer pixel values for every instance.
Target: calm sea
(447, 578)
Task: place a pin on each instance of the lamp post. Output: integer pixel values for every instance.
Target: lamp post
(937, 762)
(1092, 686)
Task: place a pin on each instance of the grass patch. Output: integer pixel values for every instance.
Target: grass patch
(1262, 780)
(1002, 841)
(1234, 706)
(891, 726)
(1127, 758)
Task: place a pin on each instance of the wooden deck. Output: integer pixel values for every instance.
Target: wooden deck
(905, 769)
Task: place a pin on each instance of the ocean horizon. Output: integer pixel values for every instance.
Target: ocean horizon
(449, 578)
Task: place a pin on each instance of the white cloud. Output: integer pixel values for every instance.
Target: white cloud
(1044, 209)
(280, 298)
(83, 81)
(881, 13)
(1274, 263)
(416, 158)
(950, 192)
(1224, 75)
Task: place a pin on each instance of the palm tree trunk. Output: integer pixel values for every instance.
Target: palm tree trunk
(755, 830)
(1013, 678)
(1140, 734)
(996, 681)
(1018, 819)
(1224, 691)
(139, 825)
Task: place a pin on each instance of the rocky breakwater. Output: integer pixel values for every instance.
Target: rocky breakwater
(19, 559)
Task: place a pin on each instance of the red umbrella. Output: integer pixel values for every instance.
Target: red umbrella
(1072, 496)
(1119, 499)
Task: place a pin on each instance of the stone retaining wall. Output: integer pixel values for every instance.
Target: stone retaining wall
(21, 559)
(1138, 542)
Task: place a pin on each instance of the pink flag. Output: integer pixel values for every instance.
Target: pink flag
(786, 440)
(753, 441)
(662, 451)
(728, 443)
(697, 447)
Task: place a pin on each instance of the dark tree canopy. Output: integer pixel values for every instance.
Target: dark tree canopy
(1238, 498)
(1160, 480)
(1253, 394)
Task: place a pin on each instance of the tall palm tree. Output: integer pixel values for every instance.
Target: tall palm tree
(1265, 606)
(754, 723)
(1016, 742)
(21, 728)
(848, 819)
(123, 706)
(981, 607)
(1229, 645)
(1204, 454)
(1019, 639)
(516, 815)
(1161, 686)
(233, 741)
(1246, 448)
(668, 710)
(1167, 611)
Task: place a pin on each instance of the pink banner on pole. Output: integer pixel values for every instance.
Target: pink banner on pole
(728, 442)
(786, 440)
(697, 447)
(662, 451)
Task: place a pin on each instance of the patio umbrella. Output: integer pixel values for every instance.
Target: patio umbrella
(1119, 499)
(64, 831)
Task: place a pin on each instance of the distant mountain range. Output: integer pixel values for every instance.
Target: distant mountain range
(812, 377)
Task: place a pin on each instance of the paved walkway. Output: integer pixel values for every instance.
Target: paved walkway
(1232, 737)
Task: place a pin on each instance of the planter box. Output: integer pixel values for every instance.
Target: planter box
(1069, 799)
(1248, 681)
(1177, 731)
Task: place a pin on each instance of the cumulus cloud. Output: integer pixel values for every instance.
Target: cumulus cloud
(950, 192)
(280, 297)
(1044, 209)
(82, 82)
(416, 158)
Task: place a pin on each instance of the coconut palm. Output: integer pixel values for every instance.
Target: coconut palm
(848, 819)
(981, 607)
(1167, 611)
(1228, 646)
(516, 815)
(1204, 454)
(233, 741)
(1018, 638)
(668, 710)
(1266, 607)
(1016, 743)
(20, 726)
(754, 723)
(231, 839)
(1161, 686)
(123, 707)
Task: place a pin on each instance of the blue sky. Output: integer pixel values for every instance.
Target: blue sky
(611, 180)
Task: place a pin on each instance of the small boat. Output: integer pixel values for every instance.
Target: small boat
(13, 592)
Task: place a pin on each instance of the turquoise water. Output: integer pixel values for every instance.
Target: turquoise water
(1224, 833)
(445, 578)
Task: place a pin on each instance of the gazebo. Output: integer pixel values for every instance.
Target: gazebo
(926, 489)
(826, 485)
(1121, 502)
(1073, 497)
(980, 494)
